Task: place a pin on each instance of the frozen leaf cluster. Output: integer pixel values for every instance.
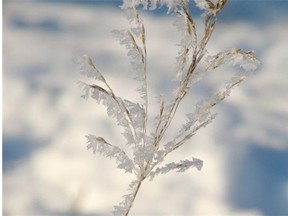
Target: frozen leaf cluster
(148, 148)
(98, 144)
(181, 166)
(233, 57)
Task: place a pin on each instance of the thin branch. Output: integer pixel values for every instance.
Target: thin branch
(121, 106)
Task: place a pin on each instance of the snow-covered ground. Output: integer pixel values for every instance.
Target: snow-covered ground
(47, 169)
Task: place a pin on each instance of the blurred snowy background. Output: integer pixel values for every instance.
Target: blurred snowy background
(47, 169)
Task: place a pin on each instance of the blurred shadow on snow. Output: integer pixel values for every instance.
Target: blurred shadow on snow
(16, 149)
(47, 24)
(259, 180)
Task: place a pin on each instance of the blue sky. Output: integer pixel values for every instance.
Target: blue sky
(244, 151)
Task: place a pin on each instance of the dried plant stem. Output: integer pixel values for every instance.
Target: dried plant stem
(121, 106)
(196, 58)
(148, 154)
(134, 196)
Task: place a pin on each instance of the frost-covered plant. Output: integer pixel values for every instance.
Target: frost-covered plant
(149, 149)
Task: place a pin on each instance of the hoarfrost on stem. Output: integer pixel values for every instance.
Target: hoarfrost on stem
(98, 144)
(149, 149)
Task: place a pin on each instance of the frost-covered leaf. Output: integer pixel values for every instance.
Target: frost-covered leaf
(187, 132)
(143, 153)
(128, 136)
(98, 144)
(86, 89)
(115, 109)
(137, 114)
(159, 156)
(101, 95)
(124, 206)
(202, 4)
(181, 166)
(202, 111)
(137, 55)
(87, 67)
(185, 24)
(201, 116)
(210, 6)
(233, 57)
(172, 5)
